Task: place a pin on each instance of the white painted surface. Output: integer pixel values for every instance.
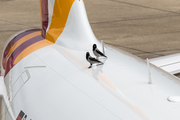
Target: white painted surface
(1, 86)
(175, 99)
(65, 89)
(50, 12)
(149, 71)
(170, 63)
(102, 43)
(7, 112)
(116, 90)
(77, 33)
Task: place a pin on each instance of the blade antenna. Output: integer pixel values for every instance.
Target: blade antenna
(149, 72)
(103, 46)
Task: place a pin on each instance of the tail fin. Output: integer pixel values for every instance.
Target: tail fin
(64, 22)
(44, 16)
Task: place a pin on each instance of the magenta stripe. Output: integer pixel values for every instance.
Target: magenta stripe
(13, 41)
(18, 50)
(44, 14)
(26, 44)
(21, 35)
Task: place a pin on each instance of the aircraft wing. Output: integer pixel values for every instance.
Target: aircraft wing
(169, 63)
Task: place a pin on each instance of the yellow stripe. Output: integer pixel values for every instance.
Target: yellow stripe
(31, 49)
(22, 40)
(59, 19)
(101, 76)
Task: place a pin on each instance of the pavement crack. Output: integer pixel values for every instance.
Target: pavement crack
(134, 49)
(144, 6)
(16, 23)
(138, 18)
(162, 33)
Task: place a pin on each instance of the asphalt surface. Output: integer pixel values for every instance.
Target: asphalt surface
(145, 28)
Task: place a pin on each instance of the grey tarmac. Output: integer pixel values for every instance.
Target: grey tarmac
(145, 28)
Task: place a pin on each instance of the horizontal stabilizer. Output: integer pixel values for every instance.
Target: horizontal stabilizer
(170, 63)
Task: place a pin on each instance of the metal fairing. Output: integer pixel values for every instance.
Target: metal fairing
(77, 34)
(48, 80)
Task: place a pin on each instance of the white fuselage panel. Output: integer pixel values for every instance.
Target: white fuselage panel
(60, 86)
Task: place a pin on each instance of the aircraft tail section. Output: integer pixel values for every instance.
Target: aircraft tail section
(65, 22)
(44, 16)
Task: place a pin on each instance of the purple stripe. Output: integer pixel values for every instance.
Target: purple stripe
(44, 14)
(18, 50)
(26, 44)
(13, 41)
(21, 35)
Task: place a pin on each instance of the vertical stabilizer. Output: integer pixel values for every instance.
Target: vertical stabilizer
(44, 16)
(65, 22)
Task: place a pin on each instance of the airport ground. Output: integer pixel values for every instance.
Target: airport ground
(145, 28)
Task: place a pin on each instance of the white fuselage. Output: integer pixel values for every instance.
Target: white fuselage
(55, 83)
(52, 81)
